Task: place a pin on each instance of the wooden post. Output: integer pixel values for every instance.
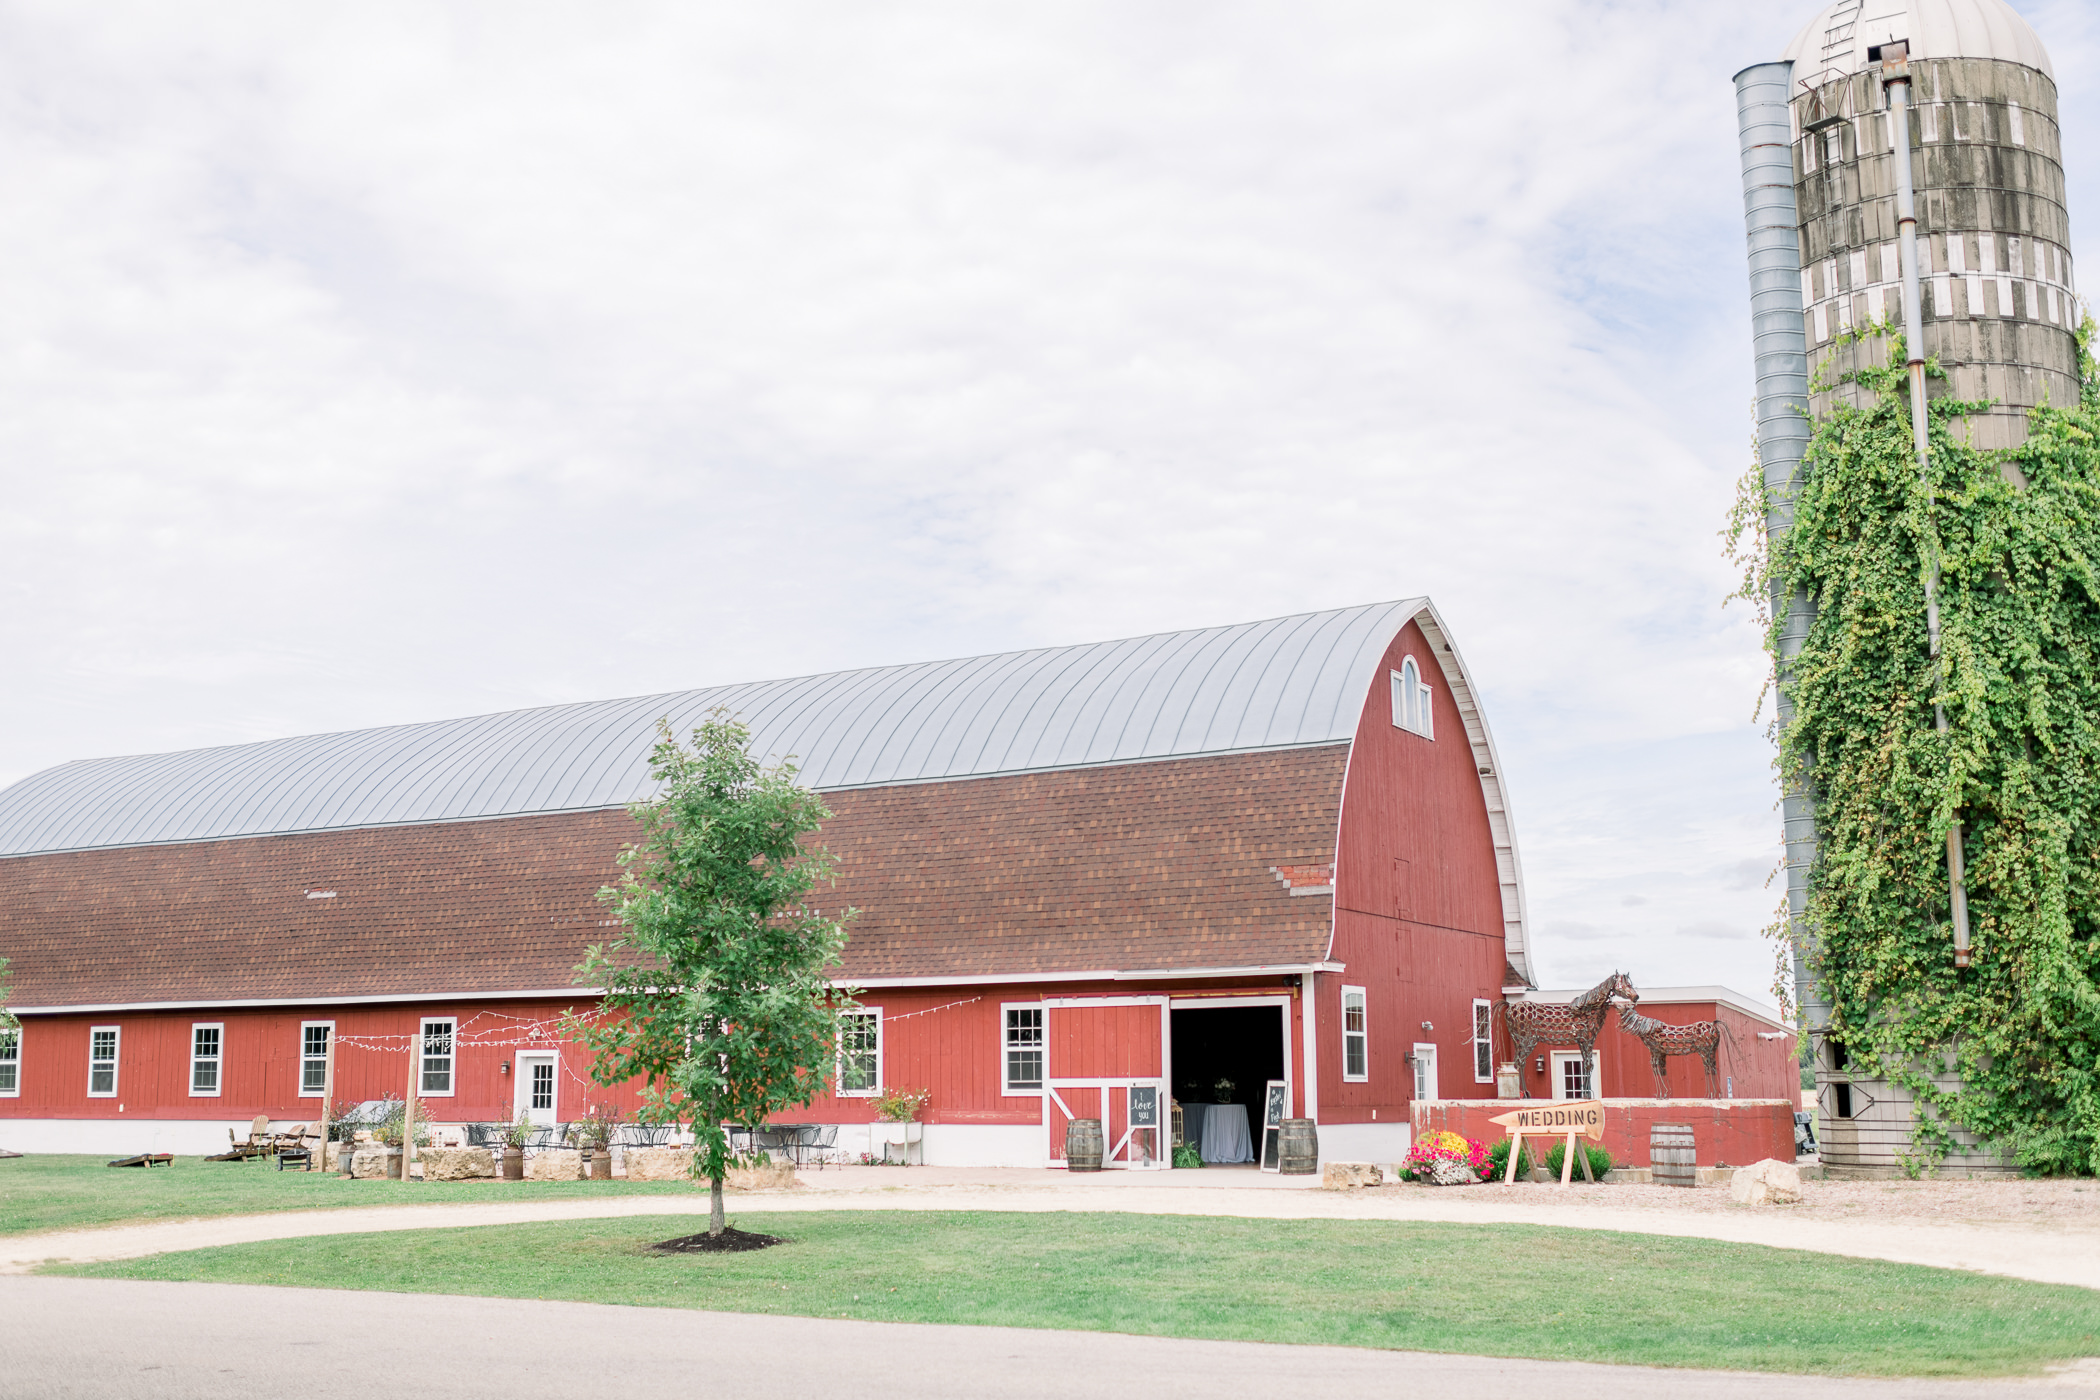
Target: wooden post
(327, 1099)
(1567, 1161)
(408, 1109)
(1587, 1174)
(1516, 1148)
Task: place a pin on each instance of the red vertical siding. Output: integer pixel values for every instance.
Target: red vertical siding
(1418, 902)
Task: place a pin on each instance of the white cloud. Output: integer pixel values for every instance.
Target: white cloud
(384, 363)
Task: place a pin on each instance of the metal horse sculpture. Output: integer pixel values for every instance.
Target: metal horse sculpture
(1701, 1038)
(1532, 1024)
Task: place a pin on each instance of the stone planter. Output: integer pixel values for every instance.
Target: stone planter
(376, 1164)
(659, 1163)
(457, 1163)
(555, 1164)
(513, 1164)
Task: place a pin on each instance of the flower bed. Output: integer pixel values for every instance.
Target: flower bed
(1446, 1159)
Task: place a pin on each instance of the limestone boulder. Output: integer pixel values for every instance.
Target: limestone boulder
(1349, 1176)
(768, 1175)
(659, 1163)
(375, 1163)
(1767, 1183)
(555, 1164)
(456, 1163)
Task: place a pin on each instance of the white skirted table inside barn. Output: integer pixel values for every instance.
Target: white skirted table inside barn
(1222, 1136)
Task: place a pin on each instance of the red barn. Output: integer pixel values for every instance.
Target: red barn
(1270, 853)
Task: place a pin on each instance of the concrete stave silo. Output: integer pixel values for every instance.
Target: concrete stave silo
(1999, 311)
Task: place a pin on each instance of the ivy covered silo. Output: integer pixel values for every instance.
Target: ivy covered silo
(1898, 759)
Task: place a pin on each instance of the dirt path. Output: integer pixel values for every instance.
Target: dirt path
(2053, 1240)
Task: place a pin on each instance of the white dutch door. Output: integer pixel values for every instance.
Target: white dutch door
(1425, 1071)
(536, 1098)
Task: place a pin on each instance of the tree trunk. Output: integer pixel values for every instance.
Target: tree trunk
(714, 1207)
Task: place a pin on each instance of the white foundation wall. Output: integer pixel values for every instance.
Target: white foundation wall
(1379, 1143)
(951, 1144)
(121, 1137)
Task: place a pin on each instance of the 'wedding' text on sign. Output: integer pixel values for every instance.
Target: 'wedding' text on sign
(1585, 1116)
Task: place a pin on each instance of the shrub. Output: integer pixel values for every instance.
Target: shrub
(1600, 1161)
(1498, 1161)
(901, 1105)
(1186, 1155)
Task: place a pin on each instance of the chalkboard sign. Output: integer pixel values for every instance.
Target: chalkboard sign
(1276, 1104)
(1144, 1106)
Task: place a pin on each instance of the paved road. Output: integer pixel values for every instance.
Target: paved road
(97, 1339)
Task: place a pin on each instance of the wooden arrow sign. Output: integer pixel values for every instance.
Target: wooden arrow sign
(1582, 1118)
(1585, 1116)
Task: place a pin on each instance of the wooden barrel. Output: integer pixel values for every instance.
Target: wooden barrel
(1672, 1155)
(1298, 1147)
(1083, 1145)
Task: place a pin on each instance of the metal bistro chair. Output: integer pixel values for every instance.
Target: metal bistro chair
(817, 1145)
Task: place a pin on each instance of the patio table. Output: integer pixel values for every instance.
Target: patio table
(1225, 1135)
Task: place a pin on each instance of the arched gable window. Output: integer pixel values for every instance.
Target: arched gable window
(1411, 709)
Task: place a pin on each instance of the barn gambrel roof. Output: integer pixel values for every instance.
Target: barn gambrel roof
(1287, 683)
(1284, 683)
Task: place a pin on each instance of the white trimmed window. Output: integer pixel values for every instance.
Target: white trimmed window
(206, 1042)
(437, 1057)
(314, 1037)
(1023, 1047)
(1356, 1037)
(1483, 1041)
(102, 1061)
(11, 1063)
(860, 1053)
(1411, 709)
(1572, 1078)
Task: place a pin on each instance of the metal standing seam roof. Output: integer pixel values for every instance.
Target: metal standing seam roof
(1289, 682)
(1284, 683)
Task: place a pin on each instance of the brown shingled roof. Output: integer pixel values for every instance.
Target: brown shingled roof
(1131, 867)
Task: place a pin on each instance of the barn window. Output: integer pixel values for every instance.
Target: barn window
(1024, 1049)
(205, 1041)
(1356, 1036)
(1411, 709)
(437, 1056)
(102, 1062)
(1483, 1041)
(10, 1063)
(860, 1053)
(313, 1057)
(1572, 1077)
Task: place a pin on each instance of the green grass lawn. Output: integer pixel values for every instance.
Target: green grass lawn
(1503, 1290)
(55, 1192)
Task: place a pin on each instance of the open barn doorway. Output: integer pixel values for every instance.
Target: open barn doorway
(1228, 1054)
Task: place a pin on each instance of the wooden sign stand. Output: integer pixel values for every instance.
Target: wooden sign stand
(1574, 1120)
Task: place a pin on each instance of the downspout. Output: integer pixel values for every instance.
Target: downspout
(1895, 81)
(1764, 126)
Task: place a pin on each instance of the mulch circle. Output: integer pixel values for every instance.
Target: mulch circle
(730, 1241)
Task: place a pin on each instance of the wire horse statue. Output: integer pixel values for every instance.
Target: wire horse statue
(1701, 1038)
(1531, 1024)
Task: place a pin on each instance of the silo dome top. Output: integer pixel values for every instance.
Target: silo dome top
(1835, 42)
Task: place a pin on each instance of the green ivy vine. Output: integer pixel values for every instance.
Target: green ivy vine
(2018, 538)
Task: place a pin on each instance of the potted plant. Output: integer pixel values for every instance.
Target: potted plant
(594, 1134)
(393, 1129)
(515, 1135)
(901, 1108)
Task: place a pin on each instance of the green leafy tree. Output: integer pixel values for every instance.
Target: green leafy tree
(717, 993)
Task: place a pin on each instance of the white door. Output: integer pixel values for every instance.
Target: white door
(536, 1075)
(1425, 1071)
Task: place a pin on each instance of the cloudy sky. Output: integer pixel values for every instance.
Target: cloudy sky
(366, 364)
